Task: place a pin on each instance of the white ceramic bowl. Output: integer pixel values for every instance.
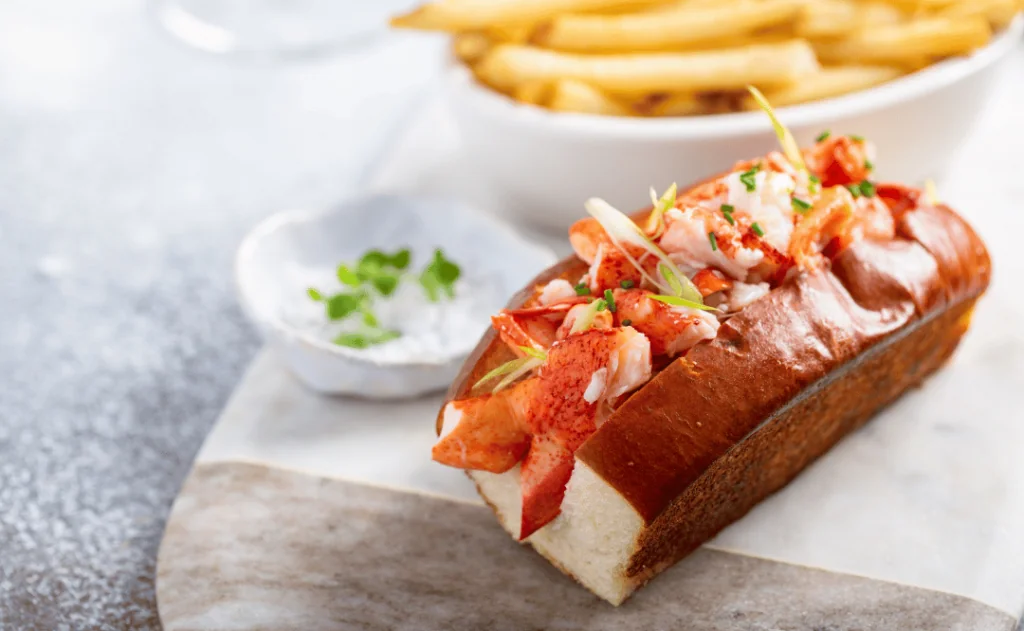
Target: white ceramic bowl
(542, 165)
(292, 250)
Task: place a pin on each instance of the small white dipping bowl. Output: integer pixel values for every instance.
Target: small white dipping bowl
(293, 250)
(542, 165)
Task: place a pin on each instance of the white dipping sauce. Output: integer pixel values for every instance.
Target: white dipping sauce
(429, 330)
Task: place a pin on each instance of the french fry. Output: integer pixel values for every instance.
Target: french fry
(920, 6)
(827, 18)
(879, 14)
(999, 13)
(533, 92)
(471, 15)
(901, 43)
(510, 33)
(837, 18)
(669, 105)
(470, 47)
(575, 96)
(666, 30)
(507, 65)
(827, 83)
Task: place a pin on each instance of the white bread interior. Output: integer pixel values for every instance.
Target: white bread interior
(592, 539)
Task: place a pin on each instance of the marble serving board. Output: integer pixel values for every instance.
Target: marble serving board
(306, 512)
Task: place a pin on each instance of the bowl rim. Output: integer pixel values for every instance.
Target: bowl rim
(463, 86)
(291, 216)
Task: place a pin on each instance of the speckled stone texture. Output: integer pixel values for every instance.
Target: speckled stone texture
(130, 167)
(258, 548)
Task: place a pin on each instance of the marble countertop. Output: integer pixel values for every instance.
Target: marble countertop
(130, 167)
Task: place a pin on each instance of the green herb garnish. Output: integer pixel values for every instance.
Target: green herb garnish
(714, 241)
(856, 138)
(627, 322)
(676, 301)
(582, 289)
(660, 205)
(854, 189)
(340, 306)
(511, 370)
(385, 283)
(727, 210)
(869, 165)
(533, 352)
(814, 184)
(439, 276)
(601, 305)
(626, 284)
(823, 136)
(867, 189)
(378, 273)
(801, 206)
(347, 276)
(365, 338)
(609, 299)
(758, 230)
(749, 178)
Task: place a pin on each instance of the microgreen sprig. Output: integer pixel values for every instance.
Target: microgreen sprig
(439, 277)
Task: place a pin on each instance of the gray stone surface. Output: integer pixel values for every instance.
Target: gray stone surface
(130, 167)
(340, 555)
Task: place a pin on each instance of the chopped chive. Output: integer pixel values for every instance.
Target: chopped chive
(582, 290)
(869, 165)
(758, 230)
(867, 189)
(814, 184)
(854, 189)
(727, 210)
(800, 205)
(609, 299)
(749, 178)
(714, 241)
(856, 138)
(627, 322)
(626, 284)
(601, 304)
(823, 136)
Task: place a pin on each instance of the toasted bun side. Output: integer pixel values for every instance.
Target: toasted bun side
(664, 437)
(593, 539)
(794, 437)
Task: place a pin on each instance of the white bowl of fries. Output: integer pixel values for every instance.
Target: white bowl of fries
(562, 100)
